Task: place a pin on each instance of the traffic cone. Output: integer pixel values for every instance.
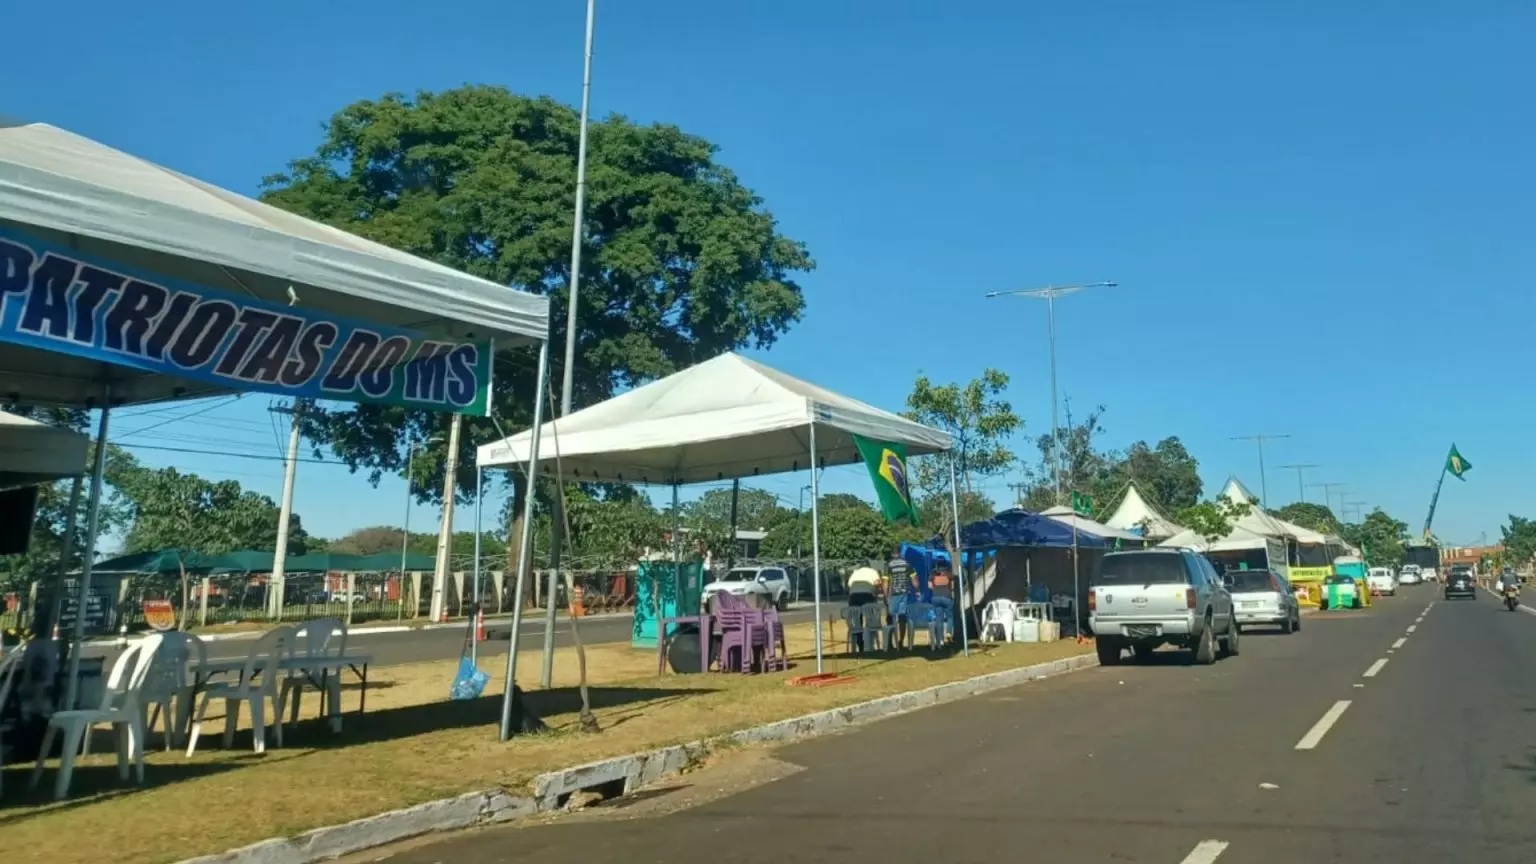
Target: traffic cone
(480, 626)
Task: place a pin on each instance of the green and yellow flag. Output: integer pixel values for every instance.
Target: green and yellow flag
(1455, 464)
(887, 463)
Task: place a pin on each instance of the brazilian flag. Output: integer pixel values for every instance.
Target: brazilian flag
(887, 463)
(1457, 465)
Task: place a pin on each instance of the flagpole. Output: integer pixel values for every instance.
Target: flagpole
(816, 543)
(1435, 499)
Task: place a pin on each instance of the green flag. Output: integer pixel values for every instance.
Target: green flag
(1082, 505)
(887, 463)
(1457, 465)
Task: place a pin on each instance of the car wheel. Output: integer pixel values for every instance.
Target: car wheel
(1287, 626)
(1108, 650)
(782, 603)
(1297, 624)
(1205, 649)
(1229, 644)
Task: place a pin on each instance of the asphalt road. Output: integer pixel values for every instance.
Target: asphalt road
(390, 649)
(1369, 736)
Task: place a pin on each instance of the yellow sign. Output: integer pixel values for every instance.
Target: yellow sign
(159, 614)
(1310, 574)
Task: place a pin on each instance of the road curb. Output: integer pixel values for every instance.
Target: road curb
(553, 791)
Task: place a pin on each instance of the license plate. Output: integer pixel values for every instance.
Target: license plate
(1250, 604)
(1141, 631)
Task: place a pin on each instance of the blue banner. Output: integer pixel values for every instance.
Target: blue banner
(59, 300)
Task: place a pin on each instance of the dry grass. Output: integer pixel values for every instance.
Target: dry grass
(415, 746)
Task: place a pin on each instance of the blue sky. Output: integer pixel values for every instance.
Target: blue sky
(1319, 213)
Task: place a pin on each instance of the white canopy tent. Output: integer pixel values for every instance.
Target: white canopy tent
(65, 191)
(1134, 512)
(61, 187)
(1257, 520)
(1237, 540)
(1067, 516)
(726, 418)
(32, 453)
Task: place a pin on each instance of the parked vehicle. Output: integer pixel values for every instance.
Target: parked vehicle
(1341, 591)
(1410, 575)
(1459, 583)
(1147, 598)
(1264, 597)
(770, 581)
(1382, 582)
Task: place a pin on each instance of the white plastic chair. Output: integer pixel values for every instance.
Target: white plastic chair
(320, 639)
(10, 668)
(119, 707)
(997, 620)
(168, 685)
(256, 684)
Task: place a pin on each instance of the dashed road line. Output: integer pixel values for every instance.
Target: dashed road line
(1205, 852)
(1375, 667)
(1315, 735)
(1412, 627)
(1399, 642)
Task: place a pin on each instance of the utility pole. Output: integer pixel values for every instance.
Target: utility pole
(1301, 487)
(445, 532)
(567, 385)
(1049, 294)
(1263, 480)
(277, 584)
(1018, 493)
(1328, 493)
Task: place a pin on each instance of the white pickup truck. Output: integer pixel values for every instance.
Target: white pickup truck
(1381, 581)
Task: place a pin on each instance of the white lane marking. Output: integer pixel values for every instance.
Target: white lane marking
(1399, 642)
(1315, 735)
(1375, 667)
(1419, 620)
(1360, 686)
(1205, 852)
(1412, 627)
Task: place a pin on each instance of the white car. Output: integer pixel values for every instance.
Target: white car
(1410, 575)
(771, 582)
(1381, 581)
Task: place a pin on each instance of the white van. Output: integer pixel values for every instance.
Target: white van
(1381, 581)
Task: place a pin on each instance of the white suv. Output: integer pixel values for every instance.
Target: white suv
(770, 581)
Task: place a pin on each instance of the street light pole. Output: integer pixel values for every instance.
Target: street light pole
(567, 374)
(1263, 480)
(1049, 294)
(1328, 494)
(1301, 488)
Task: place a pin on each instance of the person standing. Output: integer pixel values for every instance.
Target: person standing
(863, 588)
(898, 591)
(941, 586)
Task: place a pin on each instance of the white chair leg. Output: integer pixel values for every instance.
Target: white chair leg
(71, 746)
(231, 717)
(42, 756)
(259, 724)
(277, 720)
(123, 732)
(138, 753)
(295, 687)
(333, 701)
(197, 725)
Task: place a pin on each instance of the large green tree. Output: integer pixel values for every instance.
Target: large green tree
(979, 418)
(1310, 515)
(680, 260)
(1519, 538)
(1380, 537)
(756, 509)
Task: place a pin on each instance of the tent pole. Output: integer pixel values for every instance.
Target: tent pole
(88, 556)
(954, 503)
(816, 545)
(474, 608)
(525, 540)
(677, 569)
(66, 552)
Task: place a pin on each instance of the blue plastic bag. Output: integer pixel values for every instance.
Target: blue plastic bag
(469, 683)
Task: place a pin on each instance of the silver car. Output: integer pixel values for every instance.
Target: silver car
(1264, 597)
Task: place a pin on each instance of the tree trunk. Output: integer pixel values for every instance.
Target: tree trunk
(515, 540)
(587, 718)
(186, 597)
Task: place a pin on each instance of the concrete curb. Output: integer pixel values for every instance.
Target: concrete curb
(552, 791)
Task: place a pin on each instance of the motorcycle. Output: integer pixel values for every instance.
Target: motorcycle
(1511, 597)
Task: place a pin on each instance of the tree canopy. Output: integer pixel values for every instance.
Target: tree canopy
(1309, 515)
(1166, 474)
(680, 260)
(1519, 537)
(1380, 537)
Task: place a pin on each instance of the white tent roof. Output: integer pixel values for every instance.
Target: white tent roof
(33, 452)
(1257, 520)
(1238, 539)
(725, 418)
(63, 188)
(1067, 516)
(1135, 511)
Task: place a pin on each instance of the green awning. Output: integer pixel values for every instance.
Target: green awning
(172, 561)
(390, 562)
(325, 562)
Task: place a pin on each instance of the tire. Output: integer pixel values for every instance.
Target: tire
(1108, 650)
(1297, 626)
(782, 603)
(1229, 643)
(1287, 626)
(1204, 652)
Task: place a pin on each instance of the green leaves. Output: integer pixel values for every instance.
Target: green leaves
(978, 418)
(681, 262)
(1380, 537)
(1309, 515)
(1212, 520)
(169, 509)
(1519, 538)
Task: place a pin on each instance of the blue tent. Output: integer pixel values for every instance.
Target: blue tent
(1019, 527)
